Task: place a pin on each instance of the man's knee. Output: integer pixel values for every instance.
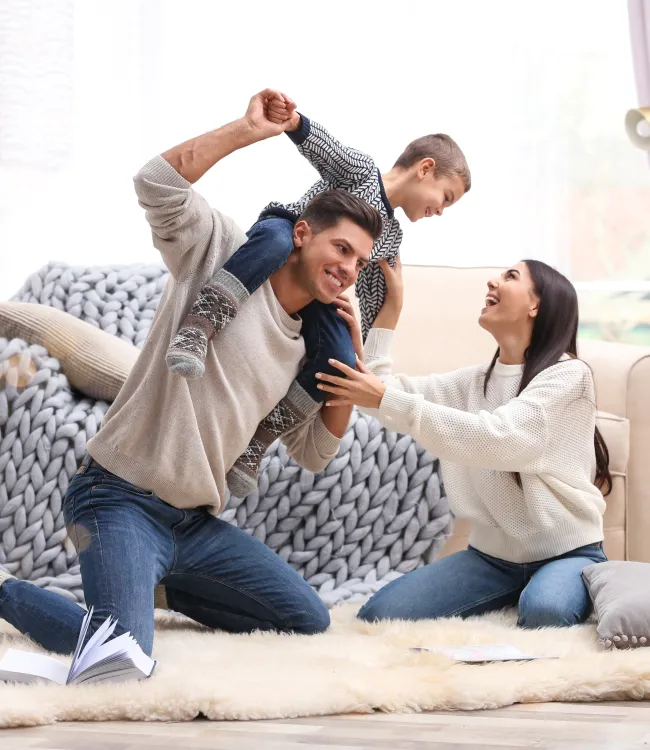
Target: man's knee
(310, 620)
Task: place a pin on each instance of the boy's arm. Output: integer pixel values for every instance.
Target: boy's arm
(182, 223)
(335, 162)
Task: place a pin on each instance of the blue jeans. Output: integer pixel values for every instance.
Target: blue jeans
(326, 336)
(547, 593)
(129, 540)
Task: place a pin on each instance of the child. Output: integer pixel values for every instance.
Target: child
(430, 175)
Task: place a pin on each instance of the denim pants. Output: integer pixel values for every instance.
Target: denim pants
(129, 540)
(547, 593)
(325, 333)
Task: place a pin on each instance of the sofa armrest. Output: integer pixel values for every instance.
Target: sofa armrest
(622, 377)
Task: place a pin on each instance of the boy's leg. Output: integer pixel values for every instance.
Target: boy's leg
(326, 336)
(125, 545)
(269, 244)
(556, 595)
(228, 580)
(463, 584)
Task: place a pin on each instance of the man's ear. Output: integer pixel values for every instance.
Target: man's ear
(301, 233)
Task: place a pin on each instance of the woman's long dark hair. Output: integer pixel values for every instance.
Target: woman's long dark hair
(555, 333)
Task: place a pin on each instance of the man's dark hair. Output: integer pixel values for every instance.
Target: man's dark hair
(328, 208)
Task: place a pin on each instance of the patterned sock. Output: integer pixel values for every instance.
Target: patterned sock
(294, 409)
(215, 306)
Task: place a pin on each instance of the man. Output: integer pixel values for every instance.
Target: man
(142, 508)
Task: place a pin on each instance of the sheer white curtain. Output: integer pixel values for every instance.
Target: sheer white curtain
(534, 93)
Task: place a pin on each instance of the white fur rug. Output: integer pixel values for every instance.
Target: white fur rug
(354, 667)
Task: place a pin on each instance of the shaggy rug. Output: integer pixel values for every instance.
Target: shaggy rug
(353, 668)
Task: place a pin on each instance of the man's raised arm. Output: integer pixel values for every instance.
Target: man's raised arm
(181, 220)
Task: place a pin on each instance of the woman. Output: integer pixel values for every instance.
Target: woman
(522, 458)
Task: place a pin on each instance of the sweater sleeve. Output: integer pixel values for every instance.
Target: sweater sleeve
(311, 444)
(341, 165)
(448, 389)
(183, 225)
(513, 437)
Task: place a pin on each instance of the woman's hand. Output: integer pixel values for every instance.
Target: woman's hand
(346, 311)
(390, 311)
(360, 387)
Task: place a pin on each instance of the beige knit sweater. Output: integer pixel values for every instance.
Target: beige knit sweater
(176, 437)
(546, 433)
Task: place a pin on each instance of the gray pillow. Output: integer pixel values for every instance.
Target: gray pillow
(620, 592)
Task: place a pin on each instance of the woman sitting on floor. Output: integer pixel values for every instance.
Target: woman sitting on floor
(521, 455)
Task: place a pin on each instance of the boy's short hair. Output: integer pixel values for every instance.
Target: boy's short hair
(450, 160)
(328, 208)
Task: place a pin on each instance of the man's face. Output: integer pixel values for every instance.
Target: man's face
(329, 262)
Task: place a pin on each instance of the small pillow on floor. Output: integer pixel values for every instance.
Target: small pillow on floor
(95, 362)
(621, 597)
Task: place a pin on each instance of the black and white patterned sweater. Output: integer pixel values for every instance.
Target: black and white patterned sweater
(356, 172)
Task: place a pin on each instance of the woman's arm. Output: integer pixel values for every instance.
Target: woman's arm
(513, 437)
(449, 389)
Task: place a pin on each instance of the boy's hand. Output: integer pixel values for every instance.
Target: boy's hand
(391, 309)
(269, 113)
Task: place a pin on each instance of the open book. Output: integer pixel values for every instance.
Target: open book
(483, 653)
(100, 660)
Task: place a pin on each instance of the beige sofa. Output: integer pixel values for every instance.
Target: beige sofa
(438, 332)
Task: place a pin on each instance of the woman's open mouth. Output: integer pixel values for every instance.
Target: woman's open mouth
(490, 301)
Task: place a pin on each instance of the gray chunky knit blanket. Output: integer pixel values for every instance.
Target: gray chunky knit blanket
(376, 512)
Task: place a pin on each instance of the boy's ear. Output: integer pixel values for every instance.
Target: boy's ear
(427, 167)
(301, 233)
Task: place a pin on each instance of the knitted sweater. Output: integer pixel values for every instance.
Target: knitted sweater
(346, 168)
(178, 437)
(546, 434)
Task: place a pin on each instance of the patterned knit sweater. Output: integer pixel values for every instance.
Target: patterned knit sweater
(546, 434)
(356, 172)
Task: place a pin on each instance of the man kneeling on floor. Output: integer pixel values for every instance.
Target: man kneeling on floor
(142, 508)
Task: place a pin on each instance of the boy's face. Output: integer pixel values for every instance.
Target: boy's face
(427, 195)
(330, 261)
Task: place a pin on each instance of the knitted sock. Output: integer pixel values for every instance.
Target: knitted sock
(215, 306)
(294, 409)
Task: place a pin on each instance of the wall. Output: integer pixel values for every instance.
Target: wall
(534, 93)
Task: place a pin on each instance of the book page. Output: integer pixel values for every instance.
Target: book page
(481, 653)
(28, 664)
(87, 656)
(85, 624)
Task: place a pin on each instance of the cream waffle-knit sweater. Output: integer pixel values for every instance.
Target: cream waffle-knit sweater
(546, 434)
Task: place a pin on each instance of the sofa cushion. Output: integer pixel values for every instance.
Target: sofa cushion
(94, 362)
(619, 591)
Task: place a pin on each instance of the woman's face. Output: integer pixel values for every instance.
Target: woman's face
(510, 304)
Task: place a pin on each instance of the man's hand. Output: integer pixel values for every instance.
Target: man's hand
(346, 311)
(271, 113)
(390, 311)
